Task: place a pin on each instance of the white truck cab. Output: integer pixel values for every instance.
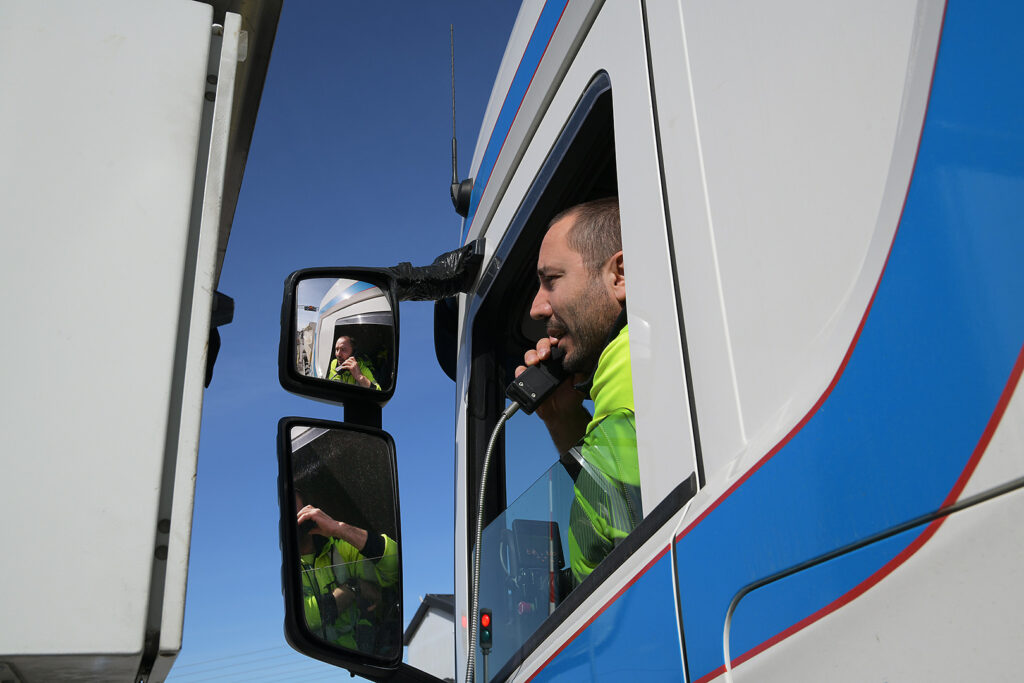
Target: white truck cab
(821, 229)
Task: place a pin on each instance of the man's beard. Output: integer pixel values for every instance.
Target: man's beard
(588, 320)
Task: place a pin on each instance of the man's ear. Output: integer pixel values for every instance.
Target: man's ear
(616, 276)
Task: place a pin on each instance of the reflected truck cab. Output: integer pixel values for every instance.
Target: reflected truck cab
(346, 306)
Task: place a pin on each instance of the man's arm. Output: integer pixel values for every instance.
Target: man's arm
(344, 595)
(327, 526)
(368, 374)
(564, 416)
(563, 413)
(356, 370)
(386, 565)
(371, 546)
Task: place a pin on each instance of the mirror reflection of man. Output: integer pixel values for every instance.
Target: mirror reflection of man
(582, 298)
(347, 368)
(345, 572)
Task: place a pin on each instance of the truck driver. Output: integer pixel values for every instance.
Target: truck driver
(582, 298)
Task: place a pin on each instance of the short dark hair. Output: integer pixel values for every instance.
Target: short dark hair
(597, 233)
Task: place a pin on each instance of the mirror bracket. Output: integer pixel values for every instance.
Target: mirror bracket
(363, 413)
(453, 272)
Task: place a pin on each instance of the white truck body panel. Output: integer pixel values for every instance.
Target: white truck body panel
(115, 124)
(114, 321)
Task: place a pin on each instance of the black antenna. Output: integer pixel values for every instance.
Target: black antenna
(455, 155)
(460, 191)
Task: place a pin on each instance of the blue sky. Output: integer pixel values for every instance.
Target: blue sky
(349, 165)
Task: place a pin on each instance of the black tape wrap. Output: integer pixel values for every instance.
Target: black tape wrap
(449, 274)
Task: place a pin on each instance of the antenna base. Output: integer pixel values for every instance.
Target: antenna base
(461, 193)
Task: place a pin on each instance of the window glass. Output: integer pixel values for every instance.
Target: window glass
(524, 566)
(528, 452)
(554, 534)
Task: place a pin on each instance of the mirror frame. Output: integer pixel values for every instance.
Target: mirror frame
(317, 388)
(296, 631)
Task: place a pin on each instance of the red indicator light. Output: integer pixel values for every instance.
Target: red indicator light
(486, 637)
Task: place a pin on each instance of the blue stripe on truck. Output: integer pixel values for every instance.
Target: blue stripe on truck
(933, 366)
(535, 49)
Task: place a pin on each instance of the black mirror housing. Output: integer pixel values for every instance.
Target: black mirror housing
(348, 472)
(339, 335)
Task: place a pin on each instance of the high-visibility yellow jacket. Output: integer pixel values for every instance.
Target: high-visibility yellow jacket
(346, 376)
(606, 505)
(337, 563)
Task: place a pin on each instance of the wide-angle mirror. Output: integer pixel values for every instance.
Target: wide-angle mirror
(341, 541)
(339, 335)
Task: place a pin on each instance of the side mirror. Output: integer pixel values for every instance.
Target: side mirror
(341, 543)
(339, 335)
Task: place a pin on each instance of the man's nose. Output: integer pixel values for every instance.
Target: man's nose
(540, 309)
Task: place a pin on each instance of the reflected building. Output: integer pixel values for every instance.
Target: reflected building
(430, 636)
(304, 350)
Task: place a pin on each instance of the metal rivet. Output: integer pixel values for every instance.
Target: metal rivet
(161, 552)
(210, 96)
(163, 526)
(211, 79)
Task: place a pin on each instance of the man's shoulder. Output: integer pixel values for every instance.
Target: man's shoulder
(617, 347)
(619, 423)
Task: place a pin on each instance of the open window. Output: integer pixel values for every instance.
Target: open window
(525, 556)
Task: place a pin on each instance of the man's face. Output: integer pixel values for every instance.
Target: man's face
(342, 348)
(577, 302)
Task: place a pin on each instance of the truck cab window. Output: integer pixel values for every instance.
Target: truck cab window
(558, 502)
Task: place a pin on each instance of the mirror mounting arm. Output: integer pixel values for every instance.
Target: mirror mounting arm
(363, 413)
(451, 273)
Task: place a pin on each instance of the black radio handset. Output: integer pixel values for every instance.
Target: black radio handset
(537, 382)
